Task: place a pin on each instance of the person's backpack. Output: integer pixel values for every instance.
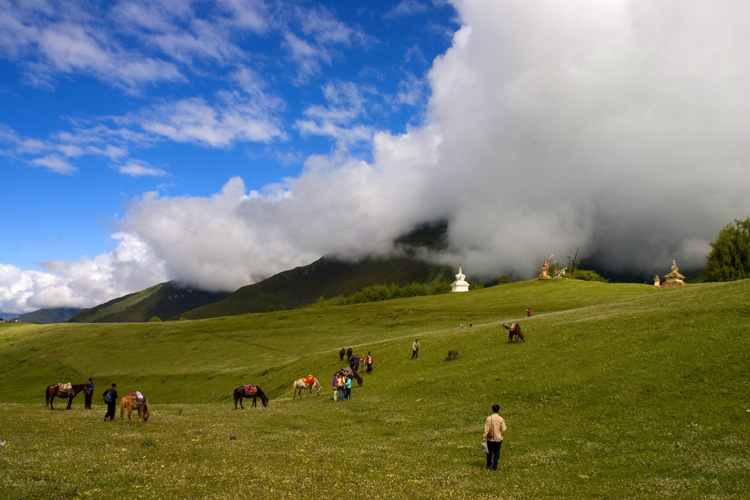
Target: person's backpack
(108, 396)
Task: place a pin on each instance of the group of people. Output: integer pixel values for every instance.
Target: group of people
(342, 386)
(355, 360)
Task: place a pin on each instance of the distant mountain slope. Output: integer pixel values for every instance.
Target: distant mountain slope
(51, 315)
(165, 300)
(327, 278)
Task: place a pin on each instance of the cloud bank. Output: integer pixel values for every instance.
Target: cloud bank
(619, 129)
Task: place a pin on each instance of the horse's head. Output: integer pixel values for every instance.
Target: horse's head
(264, 400)
(146, 412)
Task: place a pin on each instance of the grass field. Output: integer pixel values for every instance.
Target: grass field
(620, 391)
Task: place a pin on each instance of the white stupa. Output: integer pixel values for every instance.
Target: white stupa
(460, 285)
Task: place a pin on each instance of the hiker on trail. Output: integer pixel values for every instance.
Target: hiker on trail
(335, 386)
(348, 354)
(110, 398)
(348, 387)
(528, 312)
(356, 362)
(415, 349)
(88, 394)
(494, 429)
(341, 354)
(369, 362)
(352, 363)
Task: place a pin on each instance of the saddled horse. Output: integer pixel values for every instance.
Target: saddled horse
(57, 391)
(514, 332)
(349, 371)
(304, 383)
(249, 391)
(132, 402)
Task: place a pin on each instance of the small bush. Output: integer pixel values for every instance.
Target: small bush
(155, 319)
(504, 280)
(586, 275)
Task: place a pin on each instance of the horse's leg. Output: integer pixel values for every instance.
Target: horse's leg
(70, 402)
(51, 397)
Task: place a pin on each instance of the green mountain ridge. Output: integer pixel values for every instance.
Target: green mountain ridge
(165, 300)
(327, 278)
(50, 315)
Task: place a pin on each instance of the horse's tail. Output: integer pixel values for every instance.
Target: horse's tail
(46, 396)
(146, 412)
(236, 397)
(122, 408)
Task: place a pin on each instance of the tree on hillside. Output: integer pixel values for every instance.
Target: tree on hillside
(729, 259)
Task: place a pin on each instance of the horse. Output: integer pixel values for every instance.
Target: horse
(56, 391)
(130, 402)
(349, 371)
(249, 391)
(514, 331)
(304, 383)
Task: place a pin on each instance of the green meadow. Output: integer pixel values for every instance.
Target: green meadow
(620, 391)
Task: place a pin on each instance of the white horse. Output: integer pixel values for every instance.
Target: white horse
(305, 383)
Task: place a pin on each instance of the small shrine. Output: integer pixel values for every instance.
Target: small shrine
(544, 271)
(674, 278)
(460, 285)
(657, 281)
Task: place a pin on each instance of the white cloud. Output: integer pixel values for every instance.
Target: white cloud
(621, 132)
(137, 168)
(85, 282)
(407, 8)
(195, 121)
(55, 163)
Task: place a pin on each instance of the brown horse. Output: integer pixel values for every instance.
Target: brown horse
(348, 370)
(54, 391)
(249, 391)
(514, 332)
(130, 402)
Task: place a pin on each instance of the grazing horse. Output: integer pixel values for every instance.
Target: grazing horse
(57, 390)
(514, 332)
(304, 383)
(132, 402)
(349, 371)
(249, 391)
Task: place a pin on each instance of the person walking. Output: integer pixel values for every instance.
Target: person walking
(342, 352)
(369, 362)
(110, 398)
(415, 349)
(88, 394)
(494, 430)
(349, 354)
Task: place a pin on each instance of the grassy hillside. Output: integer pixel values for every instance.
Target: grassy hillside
(327, 278)
(165, 300)
(51, 315)
(620, 391)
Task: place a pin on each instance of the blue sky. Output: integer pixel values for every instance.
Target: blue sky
(218, 143)
(68, 93)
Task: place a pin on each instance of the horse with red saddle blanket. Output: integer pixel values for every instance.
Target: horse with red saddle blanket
(306, 382)
(249, 391)
(67, 390)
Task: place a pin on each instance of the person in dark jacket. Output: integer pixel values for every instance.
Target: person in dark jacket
(88, 394)
(110, 398)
